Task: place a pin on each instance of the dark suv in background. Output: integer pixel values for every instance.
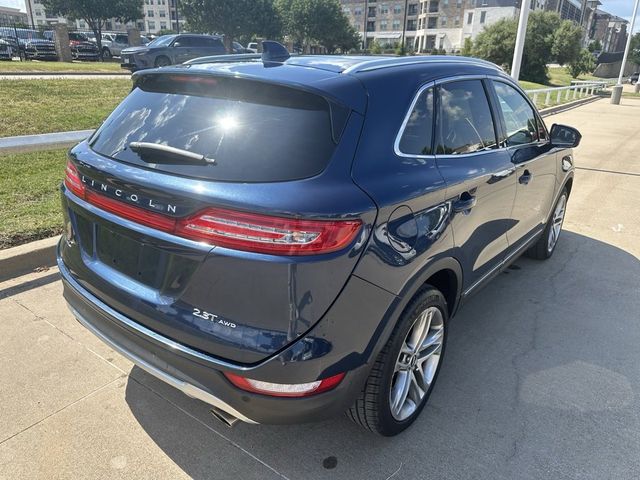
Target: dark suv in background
(287, 239)
(171, 50)
(31, 44)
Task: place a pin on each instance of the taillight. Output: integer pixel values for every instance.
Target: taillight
(231, 229)
(129, 212)
(266, 234)
(72, 180)
(284, 389)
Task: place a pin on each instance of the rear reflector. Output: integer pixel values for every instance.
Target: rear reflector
(285, 389)
(231, 229)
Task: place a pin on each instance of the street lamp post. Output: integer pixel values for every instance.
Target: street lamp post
(520, 36)
(617, 90)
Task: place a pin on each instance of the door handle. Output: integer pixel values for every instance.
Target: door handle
(525, 178)
(502, 174)
(465, 203)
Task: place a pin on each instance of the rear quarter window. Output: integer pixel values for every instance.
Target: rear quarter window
(255, 132)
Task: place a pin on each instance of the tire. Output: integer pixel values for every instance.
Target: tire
(162, 61)
(373, 409)
(546, 244)
(106, 53)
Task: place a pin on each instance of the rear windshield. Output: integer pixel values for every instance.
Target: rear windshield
(253, 132)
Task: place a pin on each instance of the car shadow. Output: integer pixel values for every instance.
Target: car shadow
(538, 382)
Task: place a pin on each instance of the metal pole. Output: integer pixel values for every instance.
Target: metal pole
(616, 94)
(404, 22)
(522, 32)
(177, 16)
(366, 21)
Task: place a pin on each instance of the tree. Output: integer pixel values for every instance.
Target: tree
(496, 43)
(235, 19)
(567, 42)
(96, 12)
(583, 63)
(374, 47)
(317, 21)
(634, 49)
(467, 47)
(595, 46)
(548, 39)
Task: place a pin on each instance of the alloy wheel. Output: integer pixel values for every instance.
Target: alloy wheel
(417, 363)
(556, 223)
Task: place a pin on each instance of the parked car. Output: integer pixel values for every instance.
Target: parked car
(633, 78)
(238, 48)
(6, 50)
(11, 40)
(252, 47)
(31, 44)
(288, 239)
(82, 48)
(170, 50)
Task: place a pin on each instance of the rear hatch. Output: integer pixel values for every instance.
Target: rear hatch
(218, 211)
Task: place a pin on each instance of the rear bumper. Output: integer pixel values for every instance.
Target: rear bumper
(200, 375)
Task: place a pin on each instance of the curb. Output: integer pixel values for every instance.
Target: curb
(23, 259)
(568, 106)
(42, 141)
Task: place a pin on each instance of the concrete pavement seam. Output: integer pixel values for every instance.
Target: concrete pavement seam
(61, 409)
(55, 327)
(209, 427)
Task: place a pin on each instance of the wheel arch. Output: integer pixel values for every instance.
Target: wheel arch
(444, 273)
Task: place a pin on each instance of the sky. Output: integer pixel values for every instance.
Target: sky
(622, 8)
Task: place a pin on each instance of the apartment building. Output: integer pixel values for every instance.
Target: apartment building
(157, 15)
(429, 24)
(10, 15)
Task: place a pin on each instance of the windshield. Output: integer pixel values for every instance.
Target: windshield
(163, 41)
(247, 131)
(30, 35)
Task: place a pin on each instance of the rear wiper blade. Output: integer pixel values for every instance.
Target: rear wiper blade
(164, 154)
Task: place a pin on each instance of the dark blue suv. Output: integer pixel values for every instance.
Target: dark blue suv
(287, 239)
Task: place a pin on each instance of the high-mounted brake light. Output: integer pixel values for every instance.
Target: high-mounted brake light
(229, 228)
(284, 389)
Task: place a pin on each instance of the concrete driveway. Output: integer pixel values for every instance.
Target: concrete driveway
(541, 378)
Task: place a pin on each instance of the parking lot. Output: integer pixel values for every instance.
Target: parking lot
(541, 376)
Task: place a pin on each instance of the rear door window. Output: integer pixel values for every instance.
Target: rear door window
(253, 131)
(465, 122)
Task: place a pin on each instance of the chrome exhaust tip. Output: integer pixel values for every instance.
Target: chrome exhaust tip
(226, 418)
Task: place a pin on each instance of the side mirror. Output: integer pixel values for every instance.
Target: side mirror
(564, 136)
(177, 44)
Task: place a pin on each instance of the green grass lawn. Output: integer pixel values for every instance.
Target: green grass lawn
(43, 106)
(34, 66)
(29, 196)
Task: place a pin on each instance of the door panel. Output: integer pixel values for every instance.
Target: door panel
(480, 177)
(534, 158)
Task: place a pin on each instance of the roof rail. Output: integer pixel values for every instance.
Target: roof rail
(389, 62)
(238, 57)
